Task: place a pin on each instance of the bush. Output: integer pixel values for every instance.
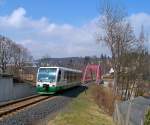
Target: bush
(104, 98)
(147, 118)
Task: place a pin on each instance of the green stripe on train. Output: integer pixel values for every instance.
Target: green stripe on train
(53, 89)
(49, 89)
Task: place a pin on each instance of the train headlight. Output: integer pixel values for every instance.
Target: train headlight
(38, 85)
(39, 80)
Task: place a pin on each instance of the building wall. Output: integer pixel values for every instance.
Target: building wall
(10, 91)
(6, 89)
(21, 90)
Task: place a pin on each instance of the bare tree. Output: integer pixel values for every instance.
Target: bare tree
(129, 56)
(117, 34)
(12, 55)
(21, 56)
(5, 53)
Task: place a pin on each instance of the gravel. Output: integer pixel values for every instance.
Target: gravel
(34, 115)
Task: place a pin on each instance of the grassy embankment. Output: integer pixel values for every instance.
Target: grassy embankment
(82, 111)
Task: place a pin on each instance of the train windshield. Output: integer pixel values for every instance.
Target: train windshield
(47, 74)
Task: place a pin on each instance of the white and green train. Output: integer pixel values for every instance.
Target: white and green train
(53, 79)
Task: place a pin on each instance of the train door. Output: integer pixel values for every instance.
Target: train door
(59, 77)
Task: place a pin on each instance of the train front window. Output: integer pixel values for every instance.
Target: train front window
(47, 75)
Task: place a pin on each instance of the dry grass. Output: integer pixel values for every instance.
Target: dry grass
(83, 111)
(104, 97)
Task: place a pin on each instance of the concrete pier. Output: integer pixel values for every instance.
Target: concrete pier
(6, 88)
(10, 91)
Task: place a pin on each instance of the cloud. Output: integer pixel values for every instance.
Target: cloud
(15, 20)
(43, 37)
(139, 19)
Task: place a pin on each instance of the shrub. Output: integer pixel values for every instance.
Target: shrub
(104, 97)
(147, 118)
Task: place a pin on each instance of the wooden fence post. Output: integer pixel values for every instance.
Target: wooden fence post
(118, 115)
(128, 114)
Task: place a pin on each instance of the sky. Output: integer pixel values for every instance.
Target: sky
(63, 28)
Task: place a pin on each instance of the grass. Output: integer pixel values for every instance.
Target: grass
(82, 111)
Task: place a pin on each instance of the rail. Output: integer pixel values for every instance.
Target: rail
(15, 106)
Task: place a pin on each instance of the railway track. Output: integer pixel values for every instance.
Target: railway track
(15, 106)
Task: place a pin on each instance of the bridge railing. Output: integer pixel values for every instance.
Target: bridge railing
(92, 72)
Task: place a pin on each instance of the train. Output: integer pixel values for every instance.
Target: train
(53, 79)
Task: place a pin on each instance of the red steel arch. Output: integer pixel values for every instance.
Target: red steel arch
(92, 72)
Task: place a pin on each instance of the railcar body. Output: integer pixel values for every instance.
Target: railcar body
(53, 79)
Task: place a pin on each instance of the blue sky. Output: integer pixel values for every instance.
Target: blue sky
(67, 25)
(75, 12)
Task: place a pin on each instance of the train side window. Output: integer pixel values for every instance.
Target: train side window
(65, 76)
(74, 76)
(59, 75)
(69, 76)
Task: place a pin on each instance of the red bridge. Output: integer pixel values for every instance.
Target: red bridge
(92, 72)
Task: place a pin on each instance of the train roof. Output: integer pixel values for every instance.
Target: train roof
(64, 68)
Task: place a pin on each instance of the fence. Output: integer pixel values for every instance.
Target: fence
(131, 112)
